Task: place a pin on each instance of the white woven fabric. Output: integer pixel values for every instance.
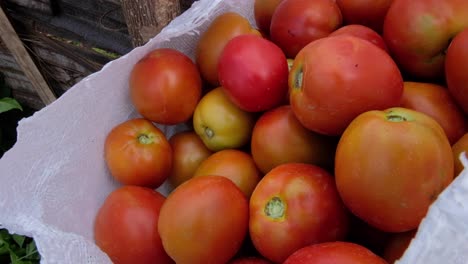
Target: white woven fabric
(54, 179)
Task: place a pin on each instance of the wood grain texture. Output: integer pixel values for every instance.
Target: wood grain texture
(24, 60)
(146, 18)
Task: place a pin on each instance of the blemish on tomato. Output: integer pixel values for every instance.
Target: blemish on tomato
(275, 208)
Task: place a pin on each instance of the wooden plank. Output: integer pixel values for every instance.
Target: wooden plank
(21, 55)
(146, 18)
(93, 25)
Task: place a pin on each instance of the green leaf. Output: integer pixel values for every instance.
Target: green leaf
(4, 248)
(8, 103)
(19, 239)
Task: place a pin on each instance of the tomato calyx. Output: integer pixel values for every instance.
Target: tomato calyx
(275, 208)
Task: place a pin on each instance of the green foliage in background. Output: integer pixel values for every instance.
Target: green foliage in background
(14, 249)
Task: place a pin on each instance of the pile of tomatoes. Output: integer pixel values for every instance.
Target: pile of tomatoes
(320, 134)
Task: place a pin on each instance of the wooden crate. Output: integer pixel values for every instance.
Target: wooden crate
(67, 40)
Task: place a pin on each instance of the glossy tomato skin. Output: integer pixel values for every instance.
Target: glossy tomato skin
(418, 33)
(236, 165)
(204, 220)
(220, 123)
(335, 79)
(254, 73)
(437, 102)
(334, 252)
(456, 62)
(165, 86)
(295, 205)
(363, 32)
(212, 41)
(126, 226)
(460, 146)
(188, 152)
(295, 23)
(292, 141)
(138, 153)
(263, 11)
(370, 13)
(391, 165)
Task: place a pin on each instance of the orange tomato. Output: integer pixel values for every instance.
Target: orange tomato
(188, 152)
(233, 164)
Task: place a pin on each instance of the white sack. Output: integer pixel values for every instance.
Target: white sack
(53, 181)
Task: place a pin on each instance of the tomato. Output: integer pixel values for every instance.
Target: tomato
(296, 23)
(223, 28)
(137, 153)
(460, 146)
(249, 260)
(263, 11)
(418, 33)
(455, 64)
(204, 220)
(220, 123)
(370, 13)
(363, 32)
(436, 101)
(233, 164)
(335, 79)
(397, 245)
(335, 252)
(254, 73)
(188, 152)
(278, 138)
(126, 226)
(295, 205)
(391, 165)
(165, 86)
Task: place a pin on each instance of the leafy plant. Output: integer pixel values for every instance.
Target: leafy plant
(14, 249)
(17, 249)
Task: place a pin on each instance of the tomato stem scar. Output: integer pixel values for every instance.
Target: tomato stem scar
(396, 118)
(275, 208)
(298, 78)
(208, 132)
(145, 139)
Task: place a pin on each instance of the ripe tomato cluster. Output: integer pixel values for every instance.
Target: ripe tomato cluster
(322, 133)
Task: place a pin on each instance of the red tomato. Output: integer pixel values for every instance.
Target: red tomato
(188, 152)
(335, 79)
(418, 32)
(138, 153)
(233, 164)
(296, 23)
(204, 220)
(391, 165)
(436, 101)
(278, 138)
(263, 11)
(254, 73)
(295, 205)
(363, 32)
(126, 226)
(456, 63)
(370, 13)
(165, 86)
(249, 260)
(212, 41)
(397, 245)
(460, 146)
(334, 253)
